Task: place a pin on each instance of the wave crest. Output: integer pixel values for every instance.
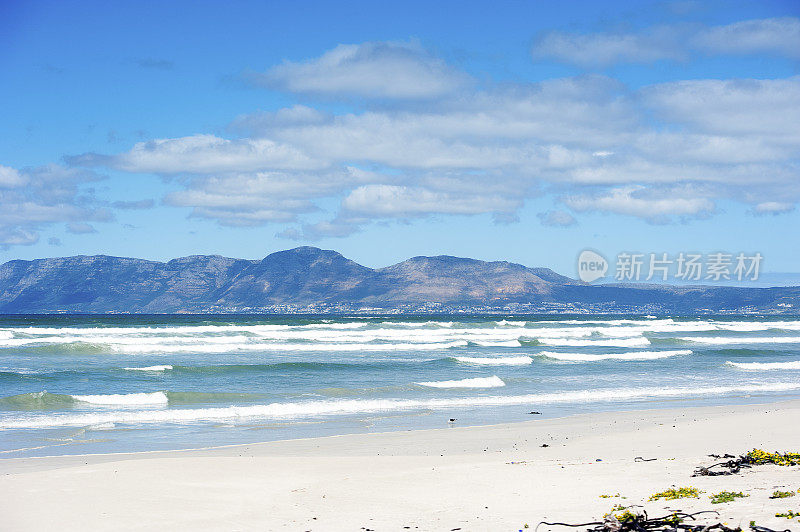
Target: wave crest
(635, 355)
(765, 365)
(495, 361)
(480, 382)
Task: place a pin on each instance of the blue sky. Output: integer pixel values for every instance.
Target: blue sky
(522, 131)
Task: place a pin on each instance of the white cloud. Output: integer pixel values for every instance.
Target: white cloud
(603, 49)
(662, 152)
(400, 201)
(776, 36)
(36, 198)
(80, 228)
(769, 107)
(642, 203)
(134, 204)
(373, 70)
(10, 177)
(246, 199)
(336, 228)
(17, 236)
(264, 121)
(203, 154)
(773, 35)
(557, 218)
(773, 207)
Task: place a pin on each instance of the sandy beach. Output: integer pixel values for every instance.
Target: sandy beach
(497, 477)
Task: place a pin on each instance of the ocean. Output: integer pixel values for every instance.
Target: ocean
(101, 384)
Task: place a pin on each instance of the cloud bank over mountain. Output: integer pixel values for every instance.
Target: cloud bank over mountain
(391, 131)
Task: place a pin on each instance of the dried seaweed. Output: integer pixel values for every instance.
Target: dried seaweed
(629, 522)
(735, 465)
(674, 522)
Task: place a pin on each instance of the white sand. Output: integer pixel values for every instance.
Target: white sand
(492, 478)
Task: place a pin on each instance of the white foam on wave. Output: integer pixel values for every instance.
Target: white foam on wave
(329, 326)
(633, 355)
(164, 367)
(479, 382)
(495, 361)
(600, 342)
(745, 326)
(610, 322)
(126, 340)
(154, 398)
(765, 365)
(416, 324)
(509, 343)
(506, 323)
(147, 331)
(102, 426)
(255, 346)
(359, 406)
(726, 340)
(325, 336)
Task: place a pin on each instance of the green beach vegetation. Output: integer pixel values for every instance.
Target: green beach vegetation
(676, 493)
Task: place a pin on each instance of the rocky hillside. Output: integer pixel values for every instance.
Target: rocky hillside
(319, 279)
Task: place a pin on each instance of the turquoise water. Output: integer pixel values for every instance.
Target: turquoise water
(88, 384)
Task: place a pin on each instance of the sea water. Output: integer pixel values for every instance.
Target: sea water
(94, 384)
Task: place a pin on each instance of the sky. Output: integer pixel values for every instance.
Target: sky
(519, 131)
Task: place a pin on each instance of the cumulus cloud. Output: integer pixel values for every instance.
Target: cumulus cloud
(773, 207)
(10, 177)
(374, 70)
(557, 218)
(773, 35)
(32, 199)
(247, 199)
(202, 154)
(80, 228)
(337, 228)
(767, 107)
(262, 122)
(662, 153)
(401, 201)
(604, 49)
(134, 205)
(17, 236)
(776, 36)
(655, 206)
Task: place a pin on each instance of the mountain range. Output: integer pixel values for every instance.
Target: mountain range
(308, 279)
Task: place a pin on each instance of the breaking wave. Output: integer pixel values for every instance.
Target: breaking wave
(633, 355)
(611, 342)
(728, 340)
(155, 398)
(356, 406)
(765, 365)
(164, 367)
(480, 382)
(495, 361)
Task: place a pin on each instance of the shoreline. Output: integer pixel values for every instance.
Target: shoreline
(654, 405)
(665, 405)
(486, 477)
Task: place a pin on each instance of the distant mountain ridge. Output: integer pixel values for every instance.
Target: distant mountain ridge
(308, 279)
